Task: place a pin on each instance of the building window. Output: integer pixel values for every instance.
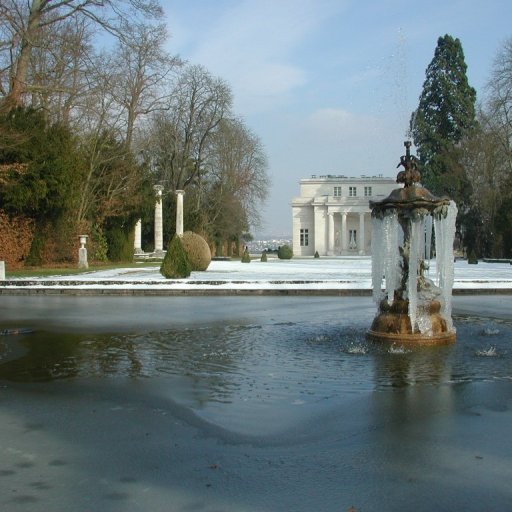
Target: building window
(304, 237)
(352, 191)
(337, 191)
(367, 191)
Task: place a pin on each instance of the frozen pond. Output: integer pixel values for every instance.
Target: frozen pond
(249, 404)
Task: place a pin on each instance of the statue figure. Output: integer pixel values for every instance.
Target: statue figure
(411, 174)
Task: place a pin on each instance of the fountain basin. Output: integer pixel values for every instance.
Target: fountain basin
(393, 324)
(244, 404)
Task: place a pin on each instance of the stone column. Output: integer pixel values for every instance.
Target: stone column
(159, 235)
(319, 232)
(330, 248)
(179, 212)
(360, 240)
(2, 270)
(82, 252)
(137, 243)
(344, 242)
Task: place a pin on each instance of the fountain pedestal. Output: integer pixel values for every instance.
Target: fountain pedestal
(412, 308)
(393, 324)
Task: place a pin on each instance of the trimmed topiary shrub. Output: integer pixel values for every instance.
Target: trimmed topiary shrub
(263, 256)
(285, 252)
(197, 251)
(246, 258)
(175, 264)
(472, 259)
(317, 255)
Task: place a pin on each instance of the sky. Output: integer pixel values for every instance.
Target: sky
(329, 85)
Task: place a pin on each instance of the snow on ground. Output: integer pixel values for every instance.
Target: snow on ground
(322, 273)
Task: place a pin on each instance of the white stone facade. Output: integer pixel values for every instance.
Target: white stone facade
(332, 214)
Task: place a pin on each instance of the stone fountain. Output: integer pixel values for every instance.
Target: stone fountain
(412, 307)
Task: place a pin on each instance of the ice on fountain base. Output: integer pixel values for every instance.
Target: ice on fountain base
(391, 255)
(416, 252)
(424, 320)
(444, 228)
(386, 265)
(420, 291)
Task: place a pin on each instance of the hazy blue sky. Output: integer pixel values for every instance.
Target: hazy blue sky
(329, 85)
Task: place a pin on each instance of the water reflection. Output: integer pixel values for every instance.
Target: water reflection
(273, 364)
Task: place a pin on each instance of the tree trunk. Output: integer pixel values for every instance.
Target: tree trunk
(19, 75)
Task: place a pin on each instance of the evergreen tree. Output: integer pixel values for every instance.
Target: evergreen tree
(445, 115)
(175, 264)
(40, 163)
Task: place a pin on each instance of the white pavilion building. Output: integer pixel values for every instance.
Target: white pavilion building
(332, 214)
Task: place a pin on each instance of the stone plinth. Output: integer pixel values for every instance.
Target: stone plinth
(82, 253)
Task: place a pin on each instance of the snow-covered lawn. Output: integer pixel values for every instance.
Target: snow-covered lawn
(322, 273)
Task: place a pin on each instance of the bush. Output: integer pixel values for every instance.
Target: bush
(175, 264)
(285, 252)
(472, 259)
(99, 244)
(120, 237)
(34, 256)
(246, 258)
(197, 250)
(317, 255)
(264, 256)
(16, 235)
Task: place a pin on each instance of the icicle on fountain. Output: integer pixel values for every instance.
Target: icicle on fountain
(412, 307)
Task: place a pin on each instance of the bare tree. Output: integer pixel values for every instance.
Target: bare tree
(61, 68)
(488, 162)
(498, 108)
(180, 135)
(236, 173)
(485, 169)
(109, 176)
(143, 72)
(23, 22)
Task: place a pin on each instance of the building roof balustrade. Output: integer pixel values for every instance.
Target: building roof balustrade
(335, 177)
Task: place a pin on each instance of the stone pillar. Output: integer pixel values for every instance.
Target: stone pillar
(2, 270)
(179, 212)
(360, 240)
(330, 248)
(159, 234)
(319, 232)
(137, 243)
(82, 252)
(344, 242)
